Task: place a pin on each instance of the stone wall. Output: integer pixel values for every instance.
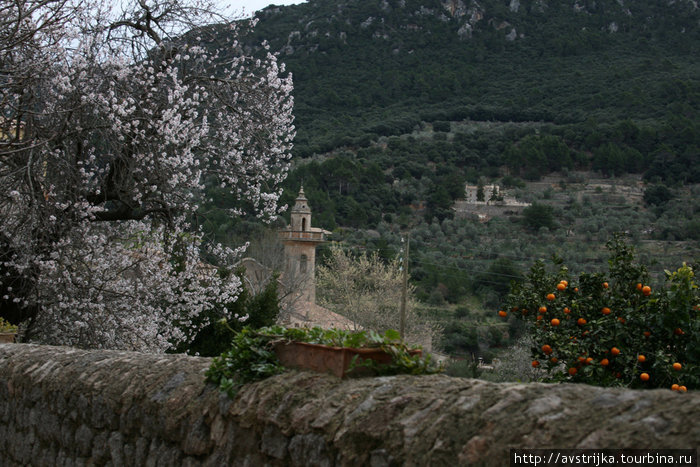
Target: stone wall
(464, 209)
(62, 406)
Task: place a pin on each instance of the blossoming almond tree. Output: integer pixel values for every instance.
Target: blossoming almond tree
(111, 122)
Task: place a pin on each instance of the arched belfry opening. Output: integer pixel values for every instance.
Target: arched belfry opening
(300, 240)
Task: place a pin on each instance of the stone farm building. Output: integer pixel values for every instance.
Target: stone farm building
(493, 202)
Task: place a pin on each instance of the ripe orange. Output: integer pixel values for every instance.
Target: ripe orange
(647, 333)
(639, 286)
(567, 310)
(566, 283)
(542, 309)
(605, 362)
(547, 349)
(514, 309)
(581, 359)
(581, 321)
(605, 310)
(615, 351)
(535, 363)
(646, 290)
(589, 360)
(575, 289)
(674, 387)
(573, 371)
(502, 314)
(644, 376)
(605, 285)
(621, 319)
(641, 358)
(539, 317)
(561, 286)
(678, 332)
(554, 359)
(555, 322)
(677, 366)
(551, 296)
(682, 388)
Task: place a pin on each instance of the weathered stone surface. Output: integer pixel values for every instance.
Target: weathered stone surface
(62, 406)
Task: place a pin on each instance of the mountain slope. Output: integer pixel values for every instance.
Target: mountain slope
(399, 103)
(380, 67)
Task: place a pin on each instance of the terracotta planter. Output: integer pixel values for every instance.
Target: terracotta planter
(6, 337)
(326, 359)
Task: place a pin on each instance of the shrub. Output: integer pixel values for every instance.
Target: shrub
(442, 126)
(539, 215)
(465, 368)
(611, 330)
(514, 364)
(6, 326)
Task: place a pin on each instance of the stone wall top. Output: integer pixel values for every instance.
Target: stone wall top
(82, 407)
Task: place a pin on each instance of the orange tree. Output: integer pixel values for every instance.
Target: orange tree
(612, 329)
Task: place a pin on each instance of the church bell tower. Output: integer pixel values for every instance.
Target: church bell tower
(300, 241)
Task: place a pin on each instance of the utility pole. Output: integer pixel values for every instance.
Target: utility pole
(404, 291)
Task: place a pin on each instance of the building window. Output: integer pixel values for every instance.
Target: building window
(303, 224)
(302, 263)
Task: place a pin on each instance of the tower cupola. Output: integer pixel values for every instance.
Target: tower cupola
(301, 213)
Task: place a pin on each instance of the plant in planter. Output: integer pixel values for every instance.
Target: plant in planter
(257, 354)
(7, 331)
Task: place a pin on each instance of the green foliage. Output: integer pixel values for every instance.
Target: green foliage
(6, 326)
(536, 155)
(499, 275)
(460, 338)
(651, 328)
(439, 203)
(613, 160)
(512, 182)
(657, 195)
(464, 368)
(251, 356)
(442, 126)
(539, 215)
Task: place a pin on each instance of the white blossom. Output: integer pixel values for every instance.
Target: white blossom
(122, 121)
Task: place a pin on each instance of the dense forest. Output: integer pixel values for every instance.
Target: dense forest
(400, 103)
